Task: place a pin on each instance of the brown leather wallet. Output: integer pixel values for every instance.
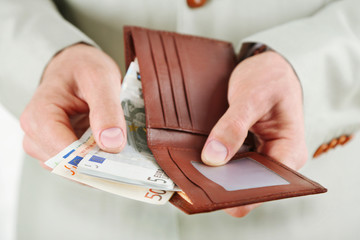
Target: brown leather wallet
(185, 80)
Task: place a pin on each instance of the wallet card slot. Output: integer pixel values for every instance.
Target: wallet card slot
(202, 68)
(184, 83)
(152, 98)
(163, 78)
(197, 196)
(183, 158)
(177, 80)
(206, 74)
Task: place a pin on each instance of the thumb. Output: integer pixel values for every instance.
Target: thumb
(106, 115)
(227, 136)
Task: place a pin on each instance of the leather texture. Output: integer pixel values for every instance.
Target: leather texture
(185, 81)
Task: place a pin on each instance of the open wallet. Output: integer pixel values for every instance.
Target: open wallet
(185, 80)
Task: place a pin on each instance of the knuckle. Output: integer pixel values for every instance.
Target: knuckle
(237, 123)
(236, 126)
(231, 131)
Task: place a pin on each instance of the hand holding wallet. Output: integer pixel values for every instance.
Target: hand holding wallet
(185, 80)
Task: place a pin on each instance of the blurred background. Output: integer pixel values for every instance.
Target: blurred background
(10, 159)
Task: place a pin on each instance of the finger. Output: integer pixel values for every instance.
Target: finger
(241, 211)
(102, 93)
(34, 150)
(228, 134)
(292, 153)
(283, 135)
(47, 131)
(59, 137)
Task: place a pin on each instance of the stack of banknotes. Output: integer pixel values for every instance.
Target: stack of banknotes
(132, 173)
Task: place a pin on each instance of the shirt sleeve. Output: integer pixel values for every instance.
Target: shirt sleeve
(324, 50)
(32, 32)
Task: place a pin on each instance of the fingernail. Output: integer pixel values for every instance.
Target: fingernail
(215, 153)
(112, 138)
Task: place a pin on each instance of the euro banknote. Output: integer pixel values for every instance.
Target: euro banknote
(132, 173)
(68, 168)
(135, 164)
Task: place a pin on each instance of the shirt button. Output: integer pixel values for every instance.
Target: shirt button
(323, 148)
(195, 3)
(333, 143)
(344, 139)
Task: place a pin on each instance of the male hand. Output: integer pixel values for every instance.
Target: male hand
(81, 83)
(264, 97)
